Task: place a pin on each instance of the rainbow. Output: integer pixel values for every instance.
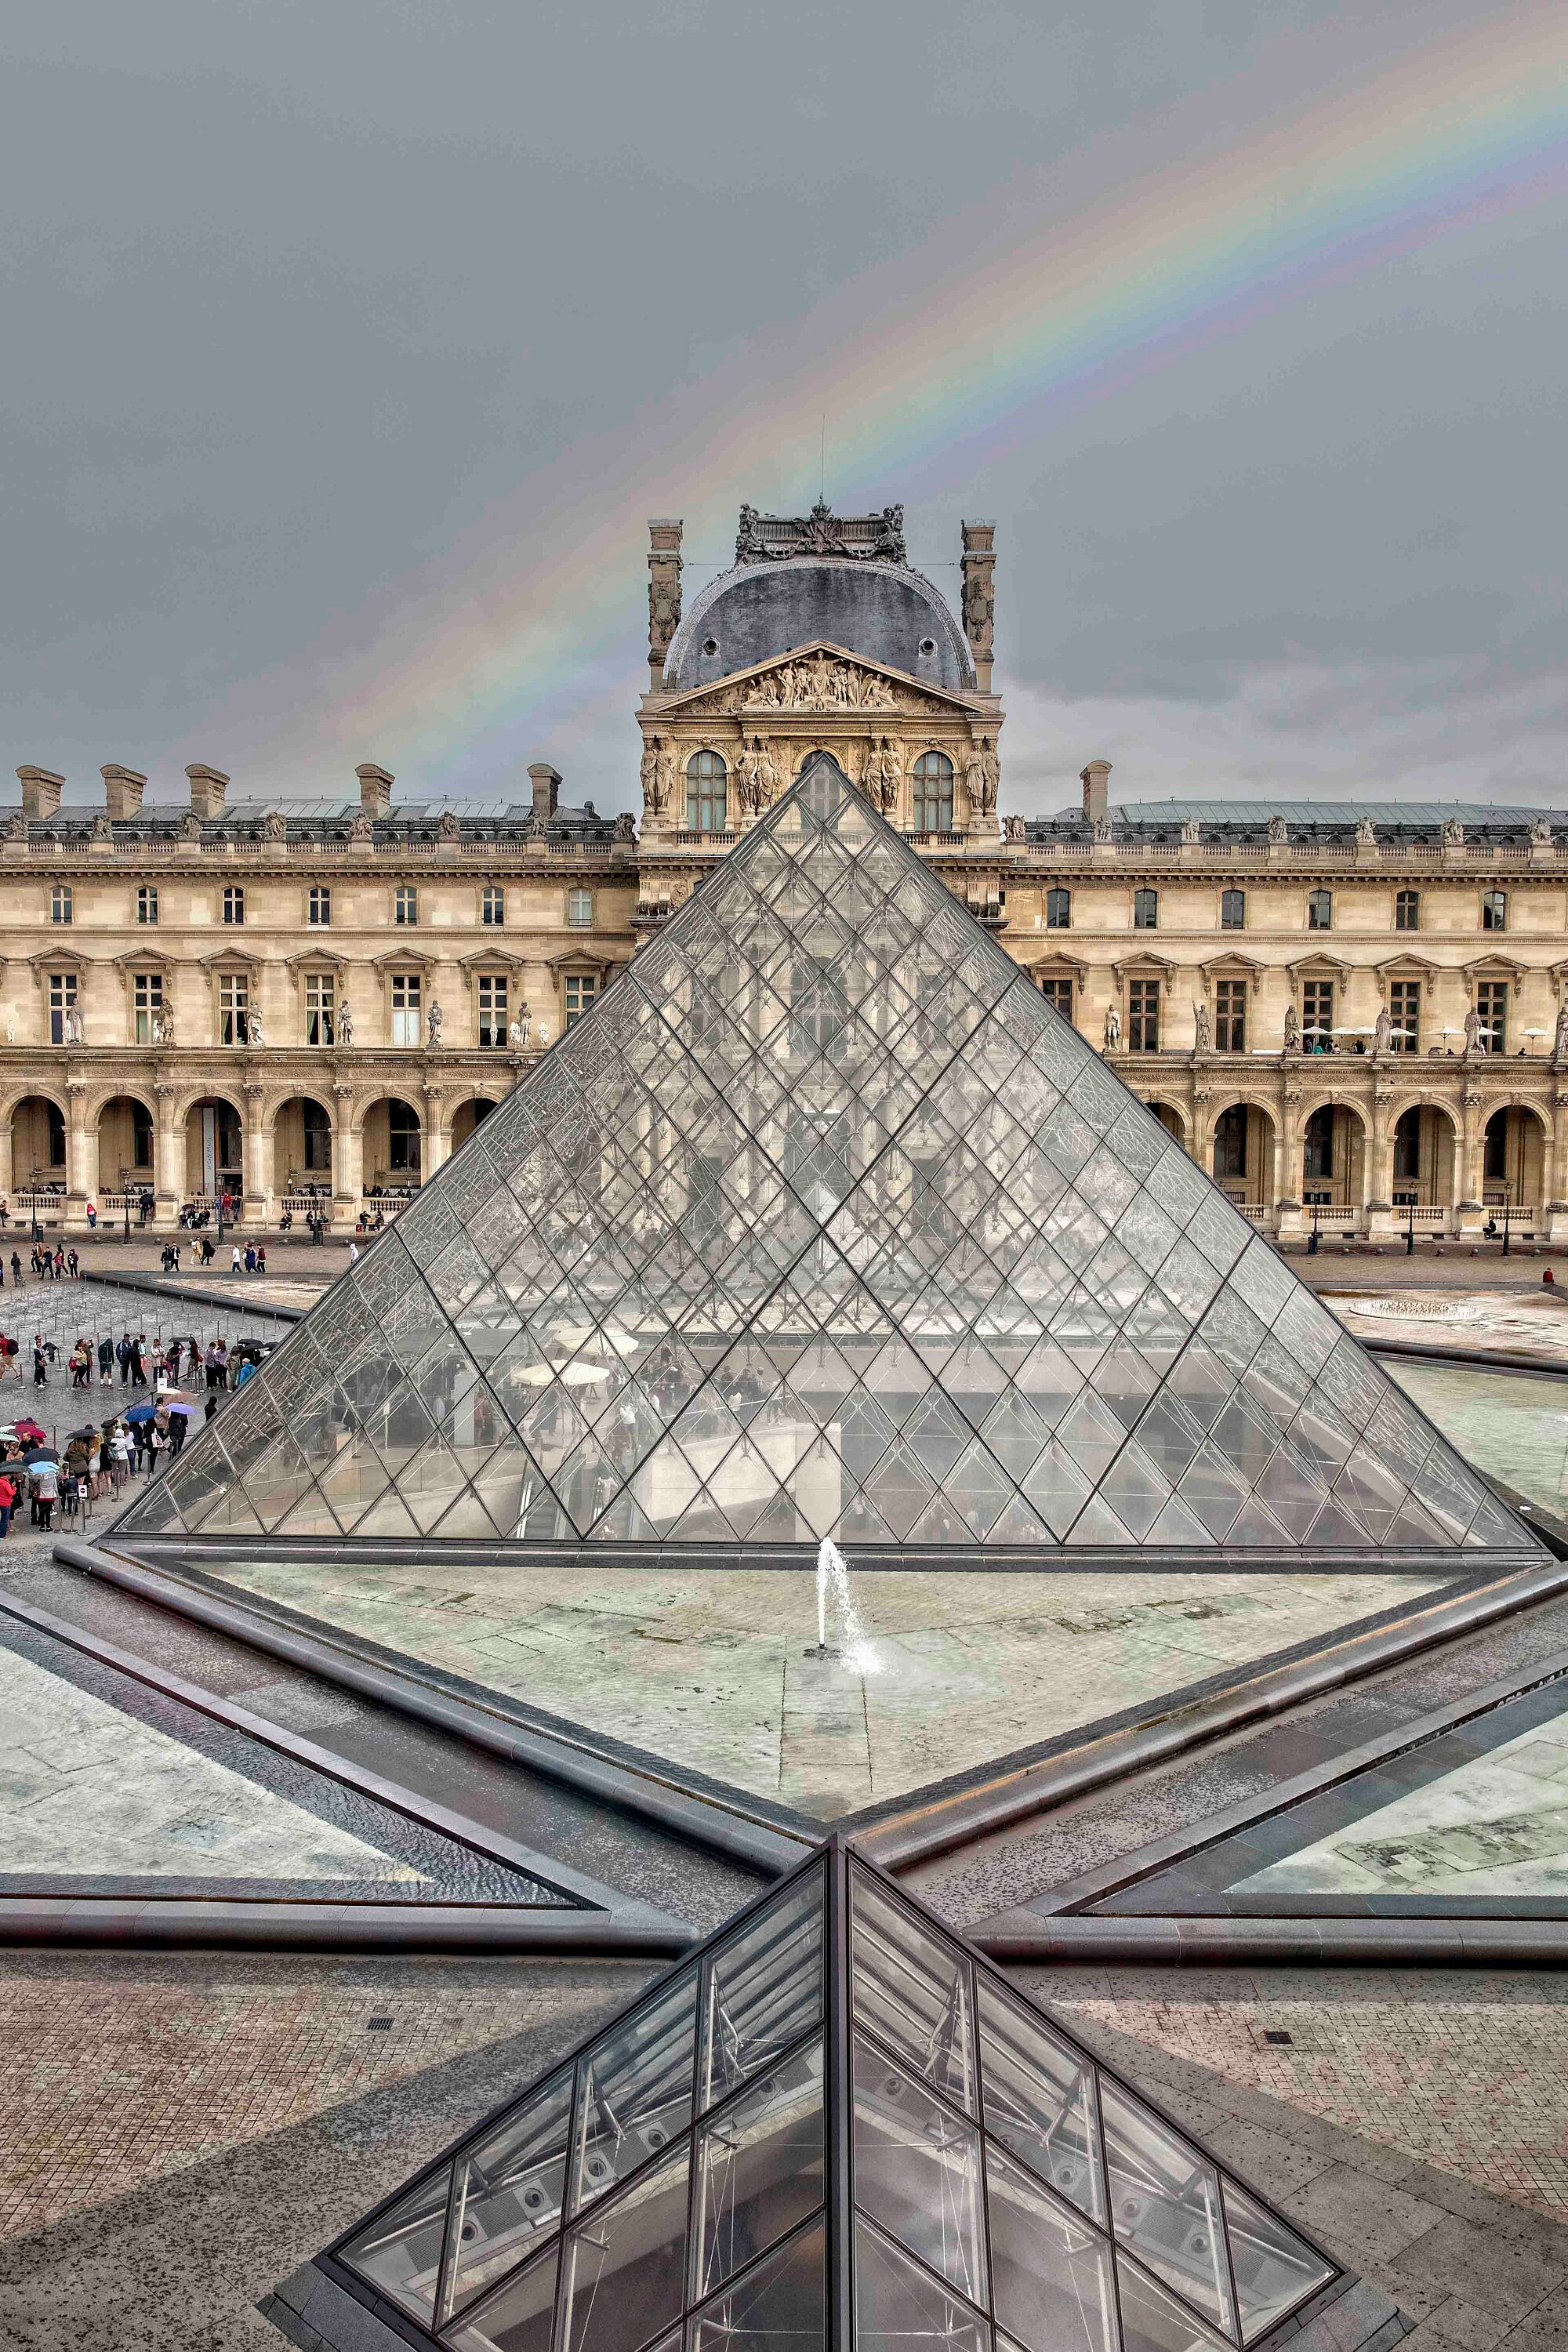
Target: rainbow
(459, 670)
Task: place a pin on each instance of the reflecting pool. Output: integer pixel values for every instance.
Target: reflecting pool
(1511, 1425)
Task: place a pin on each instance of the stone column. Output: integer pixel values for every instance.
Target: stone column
(1557, 1186)
(436, 1142)
(1288, 1164)
(7, 1171)
(80, 1175)
(1471, 1215)
(168, 1155)
(348, 1151)
(1380, 1223)
(1200, 1134)
(257, 1147)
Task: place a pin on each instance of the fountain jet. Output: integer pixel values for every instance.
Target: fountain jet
(852, 1648)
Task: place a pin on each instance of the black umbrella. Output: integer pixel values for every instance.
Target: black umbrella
(90, 1430)
(37, 1453)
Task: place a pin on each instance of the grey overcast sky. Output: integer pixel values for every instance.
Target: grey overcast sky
(349, 345)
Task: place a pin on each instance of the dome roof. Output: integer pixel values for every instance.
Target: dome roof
(879, 609)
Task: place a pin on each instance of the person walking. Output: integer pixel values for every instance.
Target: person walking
(40, 1360)
(7, 1498)
(106, 1362)
(16, 1271)
(73, 1263)
(80, 1364)
(139, 1361)
(123, 1354)
(46, 1488)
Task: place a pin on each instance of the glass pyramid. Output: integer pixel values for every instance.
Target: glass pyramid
(824, 1223)
(836, 2125)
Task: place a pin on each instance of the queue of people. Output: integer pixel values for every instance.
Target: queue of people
(97, 1460)
(58, 1265)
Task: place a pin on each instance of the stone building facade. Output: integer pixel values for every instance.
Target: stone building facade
(1355, 1016)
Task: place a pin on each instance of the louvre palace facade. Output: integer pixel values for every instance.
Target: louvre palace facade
(1351, 1014)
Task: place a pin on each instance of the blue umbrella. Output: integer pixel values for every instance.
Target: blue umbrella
(139, 1413)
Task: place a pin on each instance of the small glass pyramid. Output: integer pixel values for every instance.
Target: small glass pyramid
(835, 2125)
(823, 1222)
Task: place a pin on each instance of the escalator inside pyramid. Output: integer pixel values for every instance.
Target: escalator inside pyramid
(824, 1230)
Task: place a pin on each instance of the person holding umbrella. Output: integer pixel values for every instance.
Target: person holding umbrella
(42, 1471)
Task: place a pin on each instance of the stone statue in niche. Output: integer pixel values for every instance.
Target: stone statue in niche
(664, 786)
(345, 1025)
(1203, 1032)
(1278, 831)
(436, 1019)
(1292, 1030)
(1101, 829)
(1382, 1031)
(74, 1033)
(1014, 828)
(749, 776)
(974, 780)
(1365, 833)
(1560, 1042)
(163, 1025)
(1475, 1032)
(1190, 834)
(890, 776)
(624, 829)
(272, 825)
(1541, 832)
(1112, 1027)
(362, 826)
(254, 1032)
(517, 1035)
(1453, 834)
(768, 773)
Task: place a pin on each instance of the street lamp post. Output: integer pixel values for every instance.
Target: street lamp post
(1410, 1227)
(1312, 1236)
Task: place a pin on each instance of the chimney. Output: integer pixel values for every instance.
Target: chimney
(663, 592)
(1092, 778)
(374, 788)
(208, 789)
(546, 788)
(123, 789)
(41, 790)
(980, 596)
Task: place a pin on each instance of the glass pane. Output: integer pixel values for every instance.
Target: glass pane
(917, 2170)
(518, 2320)
(636, 2091)
(1153, 2321)
(1272, 2267)
(778, 2307)
(759, 2168)
(764, 1988)
(1050, 2277)
(1040, 2099)
(627, 2264)
(509, 2190)
(1165, 2201)
(899, 2308)
(913, 1991)
(400, 2252)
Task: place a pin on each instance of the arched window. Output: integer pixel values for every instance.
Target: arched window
(1230, 1142)
(1233, 910)
(403, 1138)
(1318, 1145)
(1058, 910)
(1321, 910)
(707, 794)
(1145, 911)
(934, 792)
(318, 1139)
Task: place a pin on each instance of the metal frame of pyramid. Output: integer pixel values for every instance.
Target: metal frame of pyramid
(823, 1222)
(836, 2124)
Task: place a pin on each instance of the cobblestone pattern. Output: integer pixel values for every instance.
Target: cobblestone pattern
(1465, 2073)
(117, 2073)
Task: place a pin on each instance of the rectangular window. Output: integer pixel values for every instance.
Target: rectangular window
(234, 903)
(1233, 910)
(492, 905)
(492, 1009)
(1058, 991)
(62, 905)
(405, 904)
(1145, 911)
(147, 1006)
(1321, 910)
(580, 910)
(147, 903)
(233, 1009)
(1230, 1016)
(1405, 1013)
(581, 990)
(1491, 1004)
(1407, 910)
(1230, 1143)
(321, 1008)
(319, 912)
(1143, 1016)
(1494, 910)
(1317, 1014)
(62, 999)
(1058, 910)
(407, 991)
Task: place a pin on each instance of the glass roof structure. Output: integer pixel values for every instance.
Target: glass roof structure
(823, 1222)
(834, 2125)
